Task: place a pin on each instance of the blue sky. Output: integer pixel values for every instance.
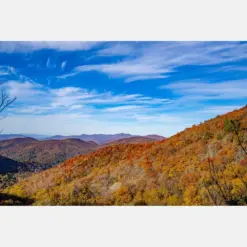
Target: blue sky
(114, 87)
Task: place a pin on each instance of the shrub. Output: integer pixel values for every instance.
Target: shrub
(173, 200)
(228, 126)
(207, 135)
(219, 136)
(122, 196)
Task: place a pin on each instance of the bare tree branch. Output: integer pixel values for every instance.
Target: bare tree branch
(5, 99)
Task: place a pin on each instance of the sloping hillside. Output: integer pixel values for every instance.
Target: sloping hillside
(11, 166)
(48, 152)
(131, 140)
(202, 165)
(12, 171)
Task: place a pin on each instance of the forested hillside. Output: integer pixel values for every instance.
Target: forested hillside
(202, 165)
(130, 140)
(47, 152)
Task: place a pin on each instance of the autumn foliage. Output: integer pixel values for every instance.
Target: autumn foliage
(202, 165)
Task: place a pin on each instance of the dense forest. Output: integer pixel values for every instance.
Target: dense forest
(202, 165)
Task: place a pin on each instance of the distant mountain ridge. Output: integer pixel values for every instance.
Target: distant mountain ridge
(155, 137)
(97, 138)
(104, 138)
(12, 136)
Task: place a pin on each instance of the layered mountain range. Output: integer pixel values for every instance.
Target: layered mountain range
(51, 152)
(97, 138)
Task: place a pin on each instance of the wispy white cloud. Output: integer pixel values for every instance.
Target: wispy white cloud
(73, 110)
(124, 69)
(69, 96)
(218, 110)
(43, 99)
(25, 91)
(110, 98)
(3, 73)
(50, 64)
(230, 68)
(35, 109)
(7, 70)
(117, 49)
(199, 90)
(161, 118)
(161, 58)
(67, 75)
(76, 107)
(10, 47)
(145, 77)
(123, 108)
(63, 65)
